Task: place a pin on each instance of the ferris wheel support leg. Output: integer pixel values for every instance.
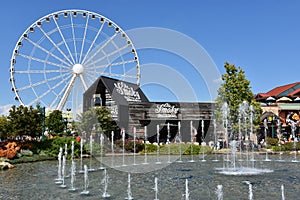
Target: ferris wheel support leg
(83, 82)
(67, 93)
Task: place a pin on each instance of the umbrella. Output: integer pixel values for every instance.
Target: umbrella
(270, 99)
(297, 99)
(284, 99)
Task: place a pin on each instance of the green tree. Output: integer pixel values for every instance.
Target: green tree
(54, 122)
(97, 118)
(4, 127)
(234, 90)
(25, 121)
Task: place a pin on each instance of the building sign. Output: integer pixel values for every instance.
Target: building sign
(128, 92)
(166, 110)
(113, 111)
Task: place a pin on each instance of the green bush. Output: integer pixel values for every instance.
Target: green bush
(175, 149)
(60, 142)
(129, 145)
(272, 141)
(26, 152)
(197, 149)
(289, 146)
(96, 148)
(150, 148)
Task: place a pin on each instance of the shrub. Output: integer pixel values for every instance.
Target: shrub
(289, 146)
(58, 142)
(150, 148)
(272, 141)
(129, 145)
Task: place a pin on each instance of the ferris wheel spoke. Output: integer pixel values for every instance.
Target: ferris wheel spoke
(42, 82)
(55, 45)
(91, 76)
(111, 65)
(43, 61)
(106, 56)
(118, 75)
(48, 52)
(84, 38)
(64, 40)
(40, 71)
(66, 93)
(93, 43)
(39, 97)
(74, 40)
(100, 49)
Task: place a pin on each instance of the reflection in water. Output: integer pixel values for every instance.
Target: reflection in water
(37, 181)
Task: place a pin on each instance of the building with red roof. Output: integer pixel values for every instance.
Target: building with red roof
(281, 105)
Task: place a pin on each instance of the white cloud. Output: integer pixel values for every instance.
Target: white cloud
(5, 108)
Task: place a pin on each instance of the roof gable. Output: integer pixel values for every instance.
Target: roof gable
(289, 90)
(283, 90)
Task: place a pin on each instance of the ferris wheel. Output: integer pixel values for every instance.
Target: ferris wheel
(61, 54)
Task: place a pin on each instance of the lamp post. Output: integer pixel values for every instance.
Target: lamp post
(271, 119)
(42, 112)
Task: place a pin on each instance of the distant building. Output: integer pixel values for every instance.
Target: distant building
(130, 108)
(281, 103)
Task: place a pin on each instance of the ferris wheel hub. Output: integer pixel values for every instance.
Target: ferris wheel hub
(78, 68)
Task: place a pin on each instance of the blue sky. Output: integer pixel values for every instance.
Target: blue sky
(262, 37)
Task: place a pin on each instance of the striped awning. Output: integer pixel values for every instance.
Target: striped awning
(289, 106)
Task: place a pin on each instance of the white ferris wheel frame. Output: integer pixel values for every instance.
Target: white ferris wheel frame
(76, 58)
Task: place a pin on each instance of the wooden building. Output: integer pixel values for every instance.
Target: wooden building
(130, 108)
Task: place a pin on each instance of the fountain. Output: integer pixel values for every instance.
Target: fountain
(180, 139)
(129, 194)
(105, 182)
(156, 188)
(86, 181)
(266, 138)
(73, 178)
(59, 177)
(187, 193)
(225, 114)
(91, 153)
(279, 139)
(145, 146)
(250, 189)
(202, 138)
(81, 156)
(282, 192)
(168, 142)
(219, 192)
(72, 150)
(293, 128)
(123, 146)
(202, 181)
(192, 141)
(158, 145)
(66, 155)
(243, 167)
(216, 140)
(251, 108)
(101, 151)
(232, 169)
(112, 149)
(63, 185)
